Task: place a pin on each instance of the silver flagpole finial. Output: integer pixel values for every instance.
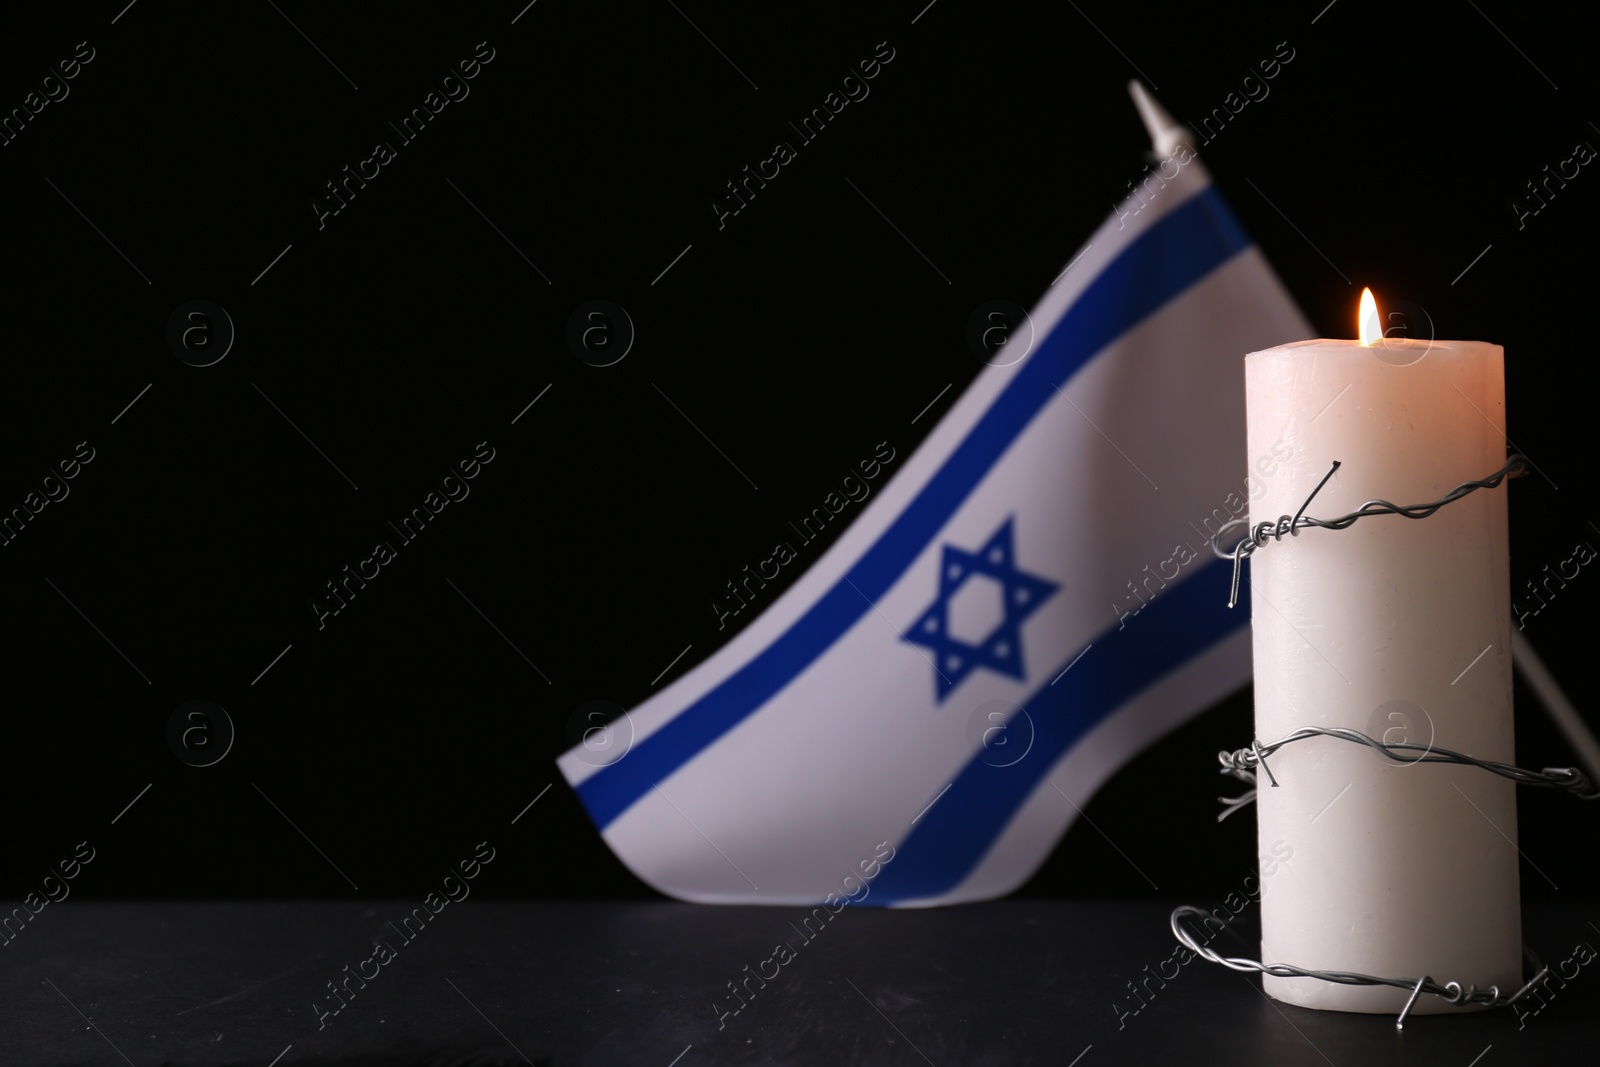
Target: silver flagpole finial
(1166, 132)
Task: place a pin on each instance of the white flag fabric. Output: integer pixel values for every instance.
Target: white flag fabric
(1026, 605)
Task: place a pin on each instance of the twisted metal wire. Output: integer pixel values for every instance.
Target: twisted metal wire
(1516, 464)
(1452, 992)
(1240, 763)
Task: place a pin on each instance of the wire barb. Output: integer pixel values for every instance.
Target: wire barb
(1400, 1023)
(1261, 761)
(1516, 465)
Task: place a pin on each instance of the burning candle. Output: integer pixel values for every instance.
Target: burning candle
(1398, 628)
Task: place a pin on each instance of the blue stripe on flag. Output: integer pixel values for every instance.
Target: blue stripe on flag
(951, 839)
(1190, 242)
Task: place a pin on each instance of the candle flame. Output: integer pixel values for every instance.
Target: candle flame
(1367, 320)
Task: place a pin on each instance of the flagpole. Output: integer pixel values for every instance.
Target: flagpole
(1166, 132)
(1560, 709)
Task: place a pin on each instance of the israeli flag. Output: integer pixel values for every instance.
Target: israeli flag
(1026, 605)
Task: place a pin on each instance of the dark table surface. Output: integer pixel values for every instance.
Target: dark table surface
(640, 983)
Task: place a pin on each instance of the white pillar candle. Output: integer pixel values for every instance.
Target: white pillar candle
(1399, 628)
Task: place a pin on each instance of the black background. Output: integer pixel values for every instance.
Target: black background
(407, 330)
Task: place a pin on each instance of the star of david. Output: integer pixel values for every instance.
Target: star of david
(1001, 649)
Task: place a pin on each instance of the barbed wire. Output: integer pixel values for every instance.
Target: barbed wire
(1516, 465)
(1452, 992)
(1240, 763)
